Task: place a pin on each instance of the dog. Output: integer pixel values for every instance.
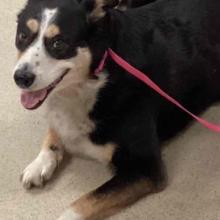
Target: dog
(112, 117)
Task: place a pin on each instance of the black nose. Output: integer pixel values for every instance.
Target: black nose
(24, 79)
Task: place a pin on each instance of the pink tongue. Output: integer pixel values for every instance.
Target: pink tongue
(30, 100)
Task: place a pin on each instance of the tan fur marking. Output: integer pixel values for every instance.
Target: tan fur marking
(108, 152)
(99, 206)
(33, 25)
(52, 31)
(19, 55)
(52, 139)
(98, 11)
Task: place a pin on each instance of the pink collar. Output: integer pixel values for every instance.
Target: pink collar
(145, 79)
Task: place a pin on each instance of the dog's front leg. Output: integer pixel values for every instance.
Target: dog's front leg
(42, 168)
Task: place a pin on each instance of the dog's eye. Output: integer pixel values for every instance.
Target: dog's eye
(59, 45)
(22, 36)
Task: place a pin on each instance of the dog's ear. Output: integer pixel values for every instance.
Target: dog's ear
(96, 9)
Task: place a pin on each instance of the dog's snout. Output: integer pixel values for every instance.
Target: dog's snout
(23, 78)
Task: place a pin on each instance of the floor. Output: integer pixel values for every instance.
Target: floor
(193, 159)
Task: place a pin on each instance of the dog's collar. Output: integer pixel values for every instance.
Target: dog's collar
(145, 79)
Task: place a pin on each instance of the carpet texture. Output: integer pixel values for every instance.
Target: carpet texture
(192, 159)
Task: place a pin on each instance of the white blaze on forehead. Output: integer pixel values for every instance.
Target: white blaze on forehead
(48, 17)
(36, 50)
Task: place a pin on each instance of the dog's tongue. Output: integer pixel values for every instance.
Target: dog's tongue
(31, 100)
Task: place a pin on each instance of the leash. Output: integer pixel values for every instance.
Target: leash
(145, 79)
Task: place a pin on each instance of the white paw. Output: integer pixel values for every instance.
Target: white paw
(70, 215)
(40, 170)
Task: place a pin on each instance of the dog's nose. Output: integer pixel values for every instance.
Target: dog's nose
(24, 79)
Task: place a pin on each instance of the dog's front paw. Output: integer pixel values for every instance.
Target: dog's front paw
(40, 170)
(70, 215)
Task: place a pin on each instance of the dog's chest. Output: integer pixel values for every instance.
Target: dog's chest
(68, 111)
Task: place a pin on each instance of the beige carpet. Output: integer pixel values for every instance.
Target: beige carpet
(193, 160)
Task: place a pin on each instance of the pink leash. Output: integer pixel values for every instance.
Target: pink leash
(141, 76)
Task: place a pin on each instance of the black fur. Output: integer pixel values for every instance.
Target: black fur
(135, 3)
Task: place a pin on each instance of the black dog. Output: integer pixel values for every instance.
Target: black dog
(115, 118)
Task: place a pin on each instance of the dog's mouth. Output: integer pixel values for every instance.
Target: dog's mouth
(34, 99)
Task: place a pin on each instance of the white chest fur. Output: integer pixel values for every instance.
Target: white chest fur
(68, 109)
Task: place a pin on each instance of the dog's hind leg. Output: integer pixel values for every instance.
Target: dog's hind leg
(135, 178)
(42, 168)
(107, 200)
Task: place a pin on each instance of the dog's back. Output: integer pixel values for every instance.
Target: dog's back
(176, 43)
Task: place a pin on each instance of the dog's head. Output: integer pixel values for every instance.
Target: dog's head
(51, 42)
